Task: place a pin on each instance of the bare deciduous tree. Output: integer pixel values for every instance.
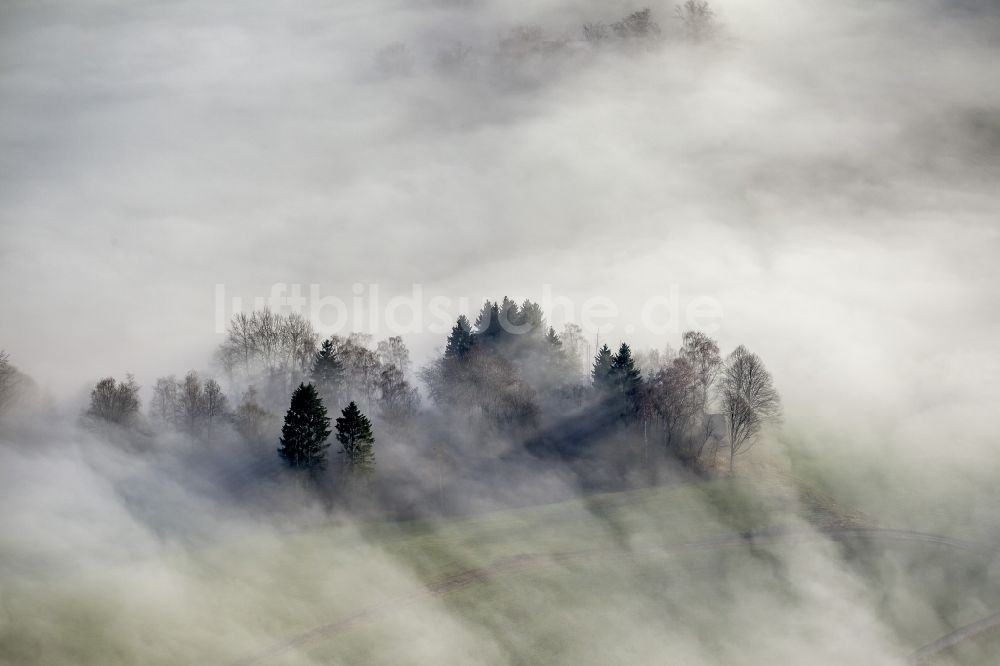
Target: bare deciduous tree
(576, 348)
(191, 402)
(252, 420)
(392, 351)
(272, 350)
(164, 408)
(638, 24)
(10, 380)
(115, 402)
(702, 354)
(361, 367)
(215, 405)
(398, 401)
(698, 20)
(595, 33)
(749, 400)
(678, 404)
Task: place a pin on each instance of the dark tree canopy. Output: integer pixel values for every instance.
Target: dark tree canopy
(115, 402)
(601, 374)
(460, 341)
(626, 379)
(354, 432)
(306, 428)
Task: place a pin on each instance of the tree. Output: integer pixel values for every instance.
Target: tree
(251, 419)
(626, 379)
(460, 340)
(749, 400)
(676, 402)
(191, 401)
(306, 428)
(575, 347)
(595, 33)
(398, 401)
(702, 354)
(601, 374)
(698, 20)
(638, 25)
(115, 402)
(392, 351)
(488, 322)
(354, 432)
(164, 408)
(509, 318)
(361, 367)
(328, 373)
(10, 380)
(215, 405)
(272, 349)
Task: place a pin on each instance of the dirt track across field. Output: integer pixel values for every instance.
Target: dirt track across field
(525, 561)
(950, 640)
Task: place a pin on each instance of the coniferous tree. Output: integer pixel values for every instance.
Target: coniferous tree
(601, 374)
(460, 341)
(488, 322)
(531, 317)
(508, 318)
(626, 379)
(553, 338)
(328, 372)
(306, 428)
(354, 432)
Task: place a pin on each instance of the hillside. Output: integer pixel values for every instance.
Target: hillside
(700, 571)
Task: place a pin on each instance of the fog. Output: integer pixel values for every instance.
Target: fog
(820, 174)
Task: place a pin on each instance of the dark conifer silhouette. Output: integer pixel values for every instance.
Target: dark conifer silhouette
(627, 380)
(460, 341)
(328, 372)
(354, 432)
(306, 428)
(601, 374)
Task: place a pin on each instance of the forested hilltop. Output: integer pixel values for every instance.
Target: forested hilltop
(507, 398)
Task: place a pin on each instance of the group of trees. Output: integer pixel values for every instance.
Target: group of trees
(695, 17)
(189, 406)
(306, 430)
(114, 401)
(347, 369)
(675, 401)
(509, 374)
(276, 350)
(509, 370)
(506, 368)
(343, 366)
(271, 353)
(304, 435)
(639, 30)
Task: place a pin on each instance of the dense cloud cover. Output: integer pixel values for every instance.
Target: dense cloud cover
(823, 171)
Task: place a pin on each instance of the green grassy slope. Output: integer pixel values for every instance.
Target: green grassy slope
(655, 575)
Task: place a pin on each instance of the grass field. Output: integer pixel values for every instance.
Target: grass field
(659, 575)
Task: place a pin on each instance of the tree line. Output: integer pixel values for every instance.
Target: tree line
(508, 374)
(637, 31)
